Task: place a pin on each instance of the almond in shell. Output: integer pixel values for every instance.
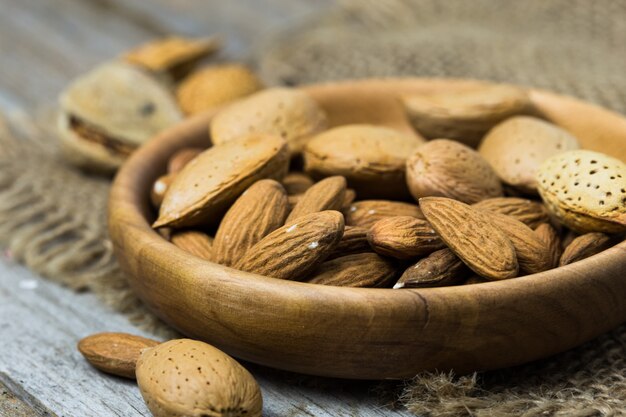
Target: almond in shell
(357, 270)
(208, 185)
(403, 237)
(365, 213)
(439, 269)
(585, 246)
(445, 168)
(471, 235)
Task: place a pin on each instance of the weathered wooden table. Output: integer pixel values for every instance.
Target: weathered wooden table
(43, 45)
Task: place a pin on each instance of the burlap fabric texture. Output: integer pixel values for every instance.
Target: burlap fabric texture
(52, 217)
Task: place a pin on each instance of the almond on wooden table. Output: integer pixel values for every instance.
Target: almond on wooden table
(195, 242)
(365, 213)
(295, 249)
(531, 213)
(327, 194)
(356, 270)
(439, 269)
(470, 234)
(585, 246)
(114, 353)
(403, 237)
(550, 237)
(260, 210)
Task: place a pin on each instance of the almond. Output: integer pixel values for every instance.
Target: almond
(295, 249)
(532, 253)
(114, 353)
(327, 194)
(181, 158)
(288, 113)
(297, 183)
(365, 213)
(205, 188)
(159, 188)
(439, 269)
(466, 115)
(403, 237)
(354, 240)
(348, 198)
(585, 190)
(479, 243)
(585, 246)
(531, 213)
(550, 237)
(357, 270)
(260, 210)
(195, 242)
(445, 168)
(517, 147)
(371, 158)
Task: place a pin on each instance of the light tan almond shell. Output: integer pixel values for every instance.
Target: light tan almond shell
(472, 237)
(297, 248)
(357, 270)
(175, 55)
(365, 213)
(328, 194)
(160, 186)
(114, 353)
(532, 253)
(531, 213)
(372, 158)
(208, 185)
(517, 147)
(354, 240)
(195, 242)
(550, 237)
(585, 246)
(181, 158)
(465, 116)
(585, 190)
(445, 168)
(185, 377)
(260, 210)
(215, 86)
(439, 269)
(297, 183)
(288, 113)
(403, 237)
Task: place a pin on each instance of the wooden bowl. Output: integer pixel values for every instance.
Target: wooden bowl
(369, 333)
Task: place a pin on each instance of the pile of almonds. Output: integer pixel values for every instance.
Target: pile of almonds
(282, 194)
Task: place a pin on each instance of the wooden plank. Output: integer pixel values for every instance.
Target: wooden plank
(15, 402)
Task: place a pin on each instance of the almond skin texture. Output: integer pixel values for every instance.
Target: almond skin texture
(550, 237)
(445, 168)
(403, 237)
(297, 183)
(328, 194)
(365, 213)
(585, 246)
(358, 270)
(354, 240)
(160, 186)
(531, 213)
(181, 158)
(467, 115)
(195, 242)
(439, 269)
(297, 248)
(517, 147)
(479, 243)
(215, 86)
(585, 190)
(371, 158)
(185, 377)
(114, 353)
(288, 113)
(260, 210)
(202, 192)
(532, 253)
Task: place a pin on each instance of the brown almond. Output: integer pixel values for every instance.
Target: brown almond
(585, 246)
(403, 237)
(260, 210)
(159, 188)
(114, 353)
(328, 194)
(532, 253)
(439, 269)
(354, 240)
(531, 213)
(181, 158)
(550, 237)
(445, 168)
(479, 243)
(297, 183)
(348, 198)
(357, 270)
(195, 242)
(365, 213)
(567, 238)
(295, 249)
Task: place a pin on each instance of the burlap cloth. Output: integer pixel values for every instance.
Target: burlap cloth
(52, 217)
